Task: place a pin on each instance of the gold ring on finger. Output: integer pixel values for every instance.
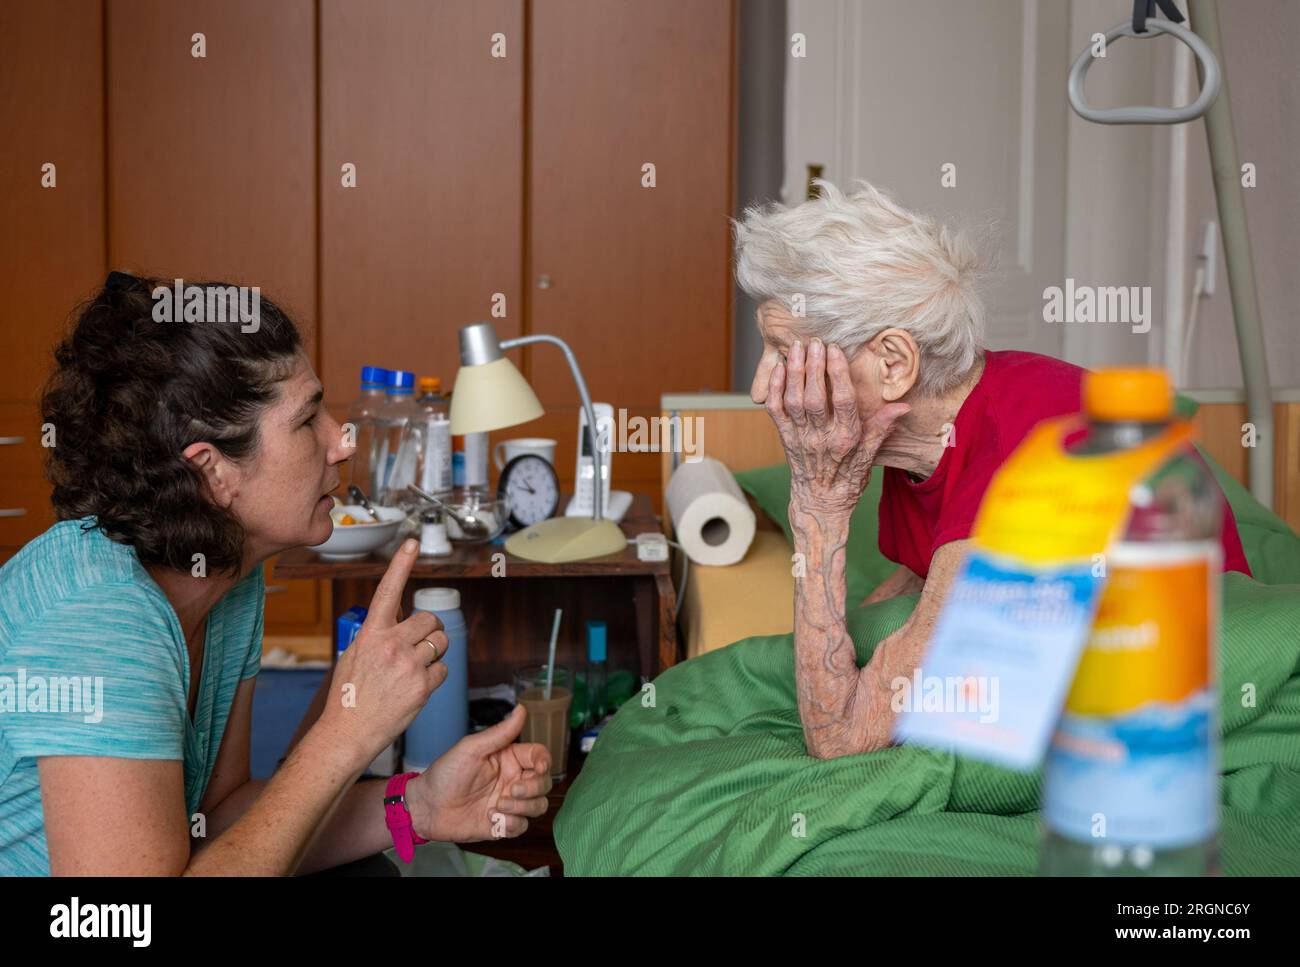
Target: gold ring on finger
(436, 654)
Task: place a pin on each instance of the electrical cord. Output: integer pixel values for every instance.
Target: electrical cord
(686, 569)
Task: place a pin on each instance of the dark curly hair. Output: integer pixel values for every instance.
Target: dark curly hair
(128, 394)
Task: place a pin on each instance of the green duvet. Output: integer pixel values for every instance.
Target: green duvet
(713, 777)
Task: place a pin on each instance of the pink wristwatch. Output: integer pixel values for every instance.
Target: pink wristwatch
(398, 818)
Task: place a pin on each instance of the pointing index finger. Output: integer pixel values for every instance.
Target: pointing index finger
(388, 596)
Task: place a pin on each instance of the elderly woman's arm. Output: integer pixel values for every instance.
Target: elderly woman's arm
(830, 452)
(902, 581)
(833, 703)
(898, 655)
(846, 710)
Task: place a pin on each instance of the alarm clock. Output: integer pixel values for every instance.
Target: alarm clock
(531, 488)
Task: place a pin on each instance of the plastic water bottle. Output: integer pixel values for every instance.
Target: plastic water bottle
(444, 720)
(431, 433)
(1131, 783)
(363, 414)
(395, 468)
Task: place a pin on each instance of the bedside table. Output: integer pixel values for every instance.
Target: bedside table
(509, 602)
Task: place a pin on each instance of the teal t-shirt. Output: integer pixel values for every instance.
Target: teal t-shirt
(93, 662)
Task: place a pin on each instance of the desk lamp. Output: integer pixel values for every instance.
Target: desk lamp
(490, 394)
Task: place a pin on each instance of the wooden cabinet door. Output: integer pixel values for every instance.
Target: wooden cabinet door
(417, 98)
(636, 279)
(51, 226)
(211, 158)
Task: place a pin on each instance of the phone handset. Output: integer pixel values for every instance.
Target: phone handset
(585, 473)
(614, 503)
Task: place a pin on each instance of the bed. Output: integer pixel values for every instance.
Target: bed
(706, 773)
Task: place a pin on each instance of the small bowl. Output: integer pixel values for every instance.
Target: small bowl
(493, 509)
(351, 542)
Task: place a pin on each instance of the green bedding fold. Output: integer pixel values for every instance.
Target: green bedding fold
(713, 777)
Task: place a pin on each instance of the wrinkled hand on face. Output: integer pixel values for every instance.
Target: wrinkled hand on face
(829, 447)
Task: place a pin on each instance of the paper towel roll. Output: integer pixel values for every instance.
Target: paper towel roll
(713, 522)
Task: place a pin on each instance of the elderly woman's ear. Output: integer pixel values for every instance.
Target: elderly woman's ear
(896, 358)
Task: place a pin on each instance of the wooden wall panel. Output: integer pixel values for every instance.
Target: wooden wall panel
(212, 166)
(1286, 470)
(1219, 428)
(411, 95)
(212, 159)
(639, 278)
(51, 239)
(228, 166)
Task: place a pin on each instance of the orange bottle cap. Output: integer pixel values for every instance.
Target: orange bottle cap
(1128, 394)
(430, 384)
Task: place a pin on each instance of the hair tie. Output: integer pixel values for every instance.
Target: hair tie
(121, 282)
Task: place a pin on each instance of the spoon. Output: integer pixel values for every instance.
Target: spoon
(359, 496)
(472, 527)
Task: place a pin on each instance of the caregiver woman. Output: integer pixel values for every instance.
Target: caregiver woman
(187, 454)
(871, 331)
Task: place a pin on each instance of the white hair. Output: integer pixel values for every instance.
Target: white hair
(859, 264)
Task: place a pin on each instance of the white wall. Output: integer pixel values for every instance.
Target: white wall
(892, 87)
(1114, 205)
(1261, 40)
(891, 91)
(1123, 225)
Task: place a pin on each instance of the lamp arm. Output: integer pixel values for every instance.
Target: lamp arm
(597, 510)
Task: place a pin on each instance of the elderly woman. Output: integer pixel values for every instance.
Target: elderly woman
(871, 329)
(187, 454)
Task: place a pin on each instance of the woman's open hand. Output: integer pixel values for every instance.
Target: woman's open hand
(829, 449)
(486, 786)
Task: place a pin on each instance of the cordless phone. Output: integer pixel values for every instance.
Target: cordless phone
(614, 504)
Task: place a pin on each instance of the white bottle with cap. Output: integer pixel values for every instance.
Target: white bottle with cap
(444, 720)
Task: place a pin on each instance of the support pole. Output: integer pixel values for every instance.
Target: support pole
(1226, 169)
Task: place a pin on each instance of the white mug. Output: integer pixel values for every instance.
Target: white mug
(514, 448)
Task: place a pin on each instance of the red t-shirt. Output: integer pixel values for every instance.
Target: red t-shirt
(1015, 392)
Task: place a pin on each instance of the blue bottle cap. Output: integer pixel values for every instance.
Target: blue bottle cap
(595, 641)
(373, 377)
(400, 381)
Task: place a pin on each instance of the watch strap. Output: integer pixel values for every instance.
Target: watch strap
(398, 817)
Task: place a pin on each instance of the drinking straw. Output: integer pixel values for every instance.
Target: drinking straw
(550, 657)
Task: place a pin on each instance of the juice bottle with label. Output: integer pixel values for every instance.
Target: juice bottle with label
(1130, 786)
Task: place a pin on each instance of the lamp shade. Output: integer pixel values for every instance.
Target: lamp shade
(491, 396)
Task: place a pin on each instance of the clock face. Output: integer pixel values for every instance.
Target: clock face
(532, 487)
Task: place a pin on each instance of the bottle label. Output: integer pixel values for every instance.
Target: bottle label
(1006, 645)
(1134, 757)
(436, 471)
